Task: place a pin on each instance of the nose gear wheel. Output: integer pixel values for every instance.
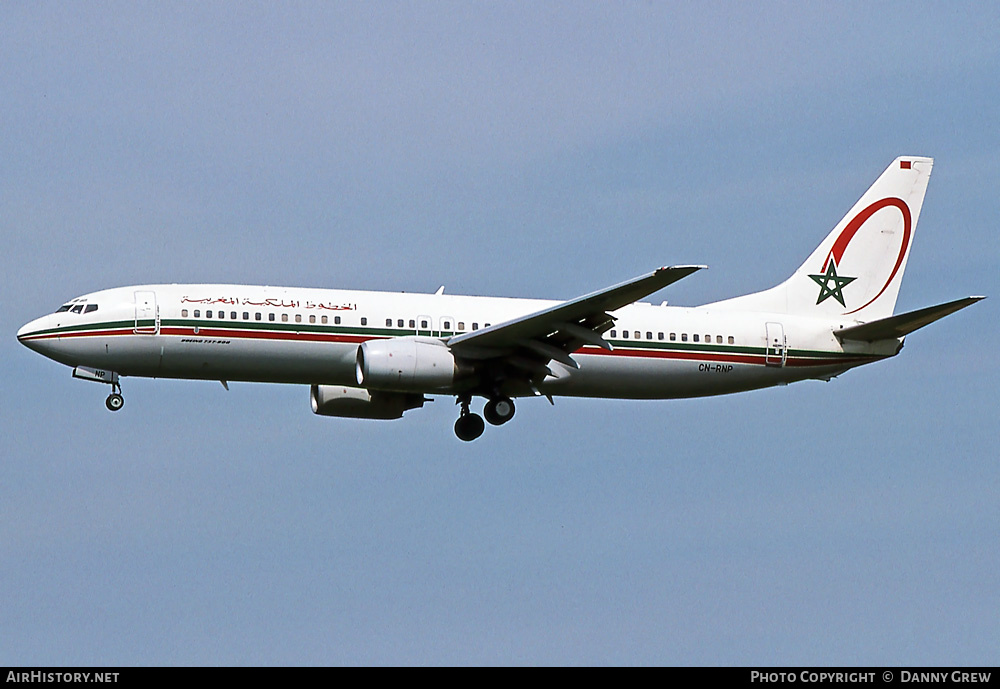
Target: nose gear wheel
(115, 401)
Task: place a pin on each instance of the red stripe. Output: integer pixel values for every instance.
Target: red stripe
(215, 332)
(729, 358)
(757, 359)
(268, 335)
(86, 333)
(660, 354)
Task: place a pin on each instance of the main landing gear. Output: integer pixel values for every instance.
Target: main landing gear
(499, 410)
(470, 426)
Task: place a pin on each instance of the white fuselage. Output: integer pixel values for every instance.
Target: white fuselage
(311, 336)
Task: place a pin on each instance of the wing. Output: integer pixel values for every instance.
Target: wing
(525, 345)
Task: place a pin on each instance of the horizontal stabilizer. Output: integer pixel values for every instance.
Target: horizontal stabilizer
(904, 323)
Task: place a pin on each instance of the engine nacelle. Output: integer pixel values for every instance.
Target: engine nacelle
(417, 364)
(354, 403)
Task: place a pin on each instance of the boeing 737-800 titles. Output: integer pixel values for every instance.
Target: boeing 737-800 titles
(376, 355)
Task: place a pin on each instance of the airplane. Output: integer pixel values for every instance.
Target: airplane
(377, 355)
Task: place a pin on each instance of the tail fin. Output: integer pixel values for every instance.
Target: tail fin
(858, 268)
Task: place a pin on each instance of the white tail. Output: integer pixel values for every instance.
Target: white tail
(858, 268)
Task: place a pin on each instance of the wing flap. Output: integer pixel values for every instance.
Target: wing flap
(903, 324)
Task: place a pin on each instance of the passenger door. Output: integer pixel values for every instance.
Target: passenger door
(147, 315)
(776, 351)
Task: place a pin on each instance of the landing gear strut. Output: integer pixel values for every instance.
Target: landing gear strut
(115, 400)
(499, 410)
(469, 425)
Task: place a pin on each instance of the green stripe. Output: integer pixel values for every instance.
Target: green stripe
(723, 349)
(288, 327)
(95, 326)
(365, 331)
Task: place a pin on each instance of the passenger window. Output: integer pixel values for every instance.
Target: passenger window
(232, 315)
(388, 322)
(399, 323)
(659, 336)
(246, 315)
(90, 308)
(486, 325)
(284, 318)
(197, 313)
(718, 339)
(708, 339)
(732, 340)
(208, 314)
(324, 320)
(312, 318)
(423, 324)
(336, 320)
(638, 335)
(298, 318)
(625, 334)
(684, 337)
(256, 316)
(673, 337)
(270, 317)
(364, 321)
(475, 326)
(184, 313)
(614, 333)
(413, 323)
(461, 325)
(694, 338)
(222, 314)
(447, 325)
(649, 336)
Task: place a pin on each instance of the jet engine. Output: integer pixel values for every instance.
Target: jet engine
(406, 364)
(354, 403)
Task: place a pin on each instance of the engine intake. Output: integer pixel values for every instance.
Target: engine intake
(354, 403)
(407, 364)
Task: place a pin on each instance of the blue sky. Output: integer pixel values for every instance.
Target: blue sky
(506, 150)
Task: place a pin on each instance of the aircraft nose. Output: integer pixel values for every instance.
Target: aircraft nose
(27, 331)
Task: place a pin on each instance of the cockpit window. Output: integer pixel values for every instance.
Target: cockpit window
(78, 305)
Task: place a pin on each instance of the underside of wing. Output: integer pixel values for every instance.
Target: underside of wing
(524, 346)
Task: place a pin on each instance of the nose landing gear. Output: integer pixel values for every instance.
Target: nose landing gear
(115, 400)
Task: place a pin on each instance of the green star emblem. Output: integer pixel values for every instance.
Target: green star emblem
(831, 284)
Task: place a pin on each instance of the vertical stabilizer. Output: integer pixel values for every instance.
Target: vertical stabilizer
(858, 268)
